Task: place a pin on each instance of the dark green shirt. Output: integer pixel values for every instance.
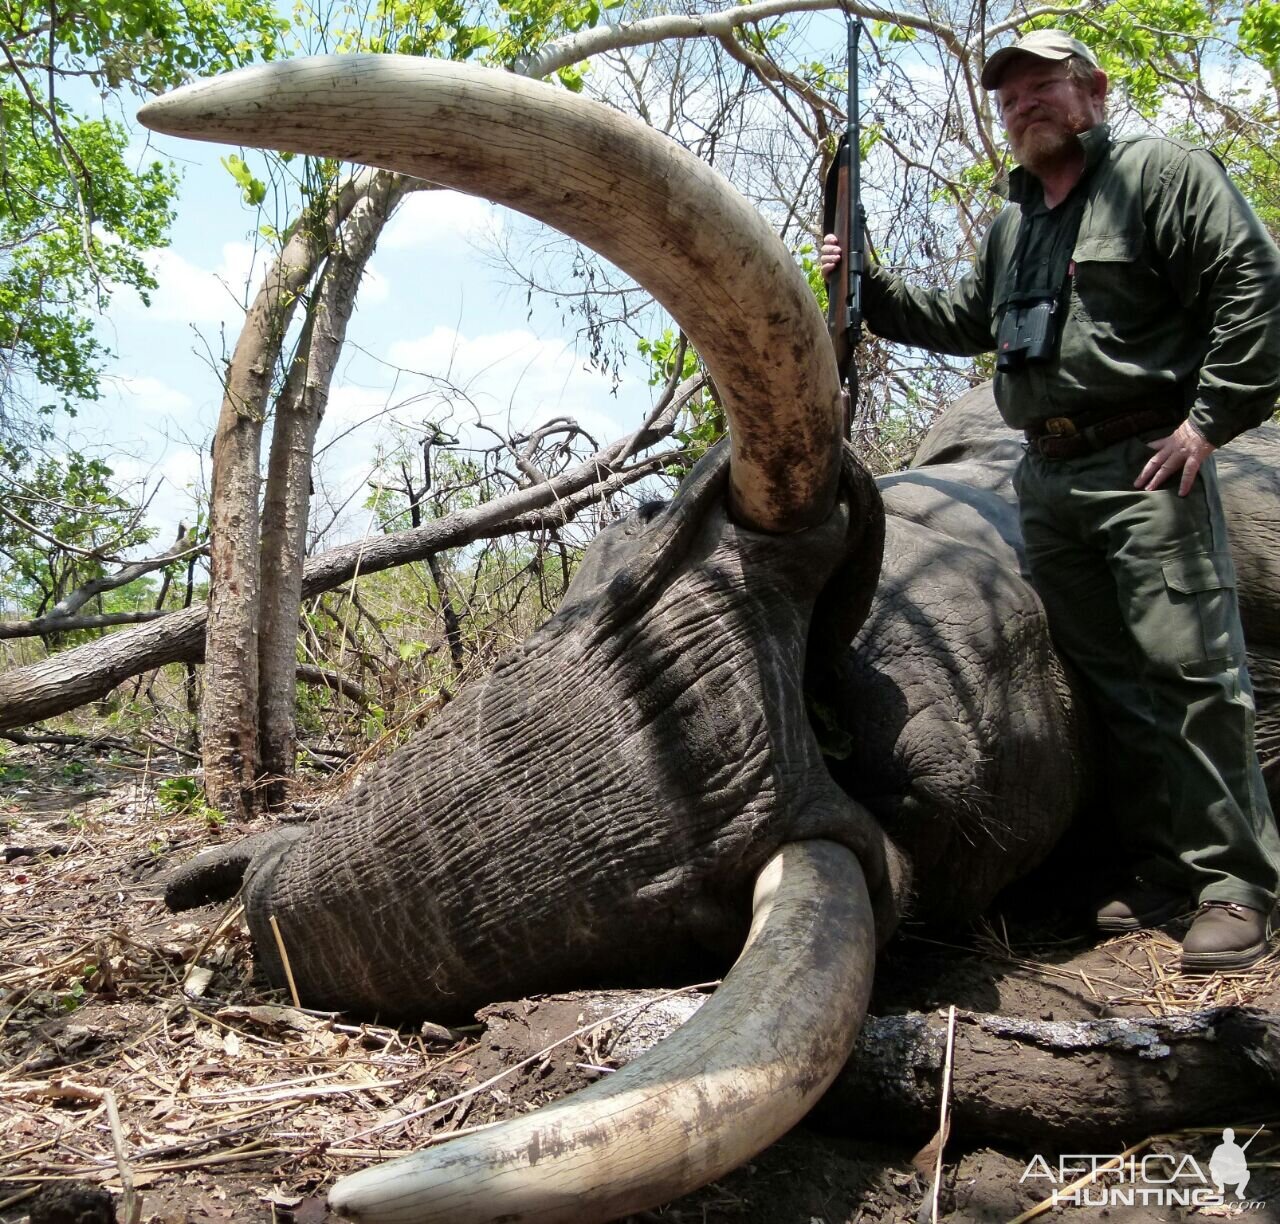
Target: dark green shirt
(1174, 293)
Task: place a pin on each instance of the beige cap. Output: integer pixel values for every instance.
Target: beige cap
(1043, 44)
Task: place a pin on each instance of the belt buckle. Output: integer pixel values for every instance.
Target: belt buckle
(1060, 427)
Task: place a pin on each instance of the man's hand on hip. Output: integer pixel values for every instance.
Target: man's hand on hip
(1184, 450)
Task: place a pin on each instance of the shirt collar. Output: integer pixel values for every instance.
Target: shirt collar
(1024, 187)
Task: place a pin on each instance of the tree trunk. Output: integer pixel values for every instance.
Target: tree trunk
(299, 410)
(190, 690)
(85, 673)
(452, 625)
(229, 710)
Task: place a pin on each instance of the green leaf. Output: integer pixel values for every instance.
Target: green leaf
(1260, 32)
(253, 189)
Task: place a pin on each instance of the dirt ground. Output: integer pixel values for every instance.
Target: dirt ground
(124, 1026)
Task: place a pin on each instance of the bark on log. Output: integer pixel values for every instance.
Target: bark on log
(1029, 1081)
(70, 679)
(1047, 1082)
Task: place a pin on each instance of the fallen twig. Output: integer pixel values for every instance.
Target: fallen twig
(130, 1205)
(944, 1123)
(284, 958)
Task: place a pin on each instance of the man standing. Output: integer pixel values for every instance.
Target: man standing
(1133, 301)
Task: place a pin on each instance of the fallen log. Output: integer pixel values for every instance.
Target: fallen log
(1054, 1082)
(1033, 1082)
(85, 673)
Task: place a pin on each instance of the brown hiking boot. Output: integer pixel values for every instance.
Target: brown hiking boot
(1140, 905)
(1224, 935)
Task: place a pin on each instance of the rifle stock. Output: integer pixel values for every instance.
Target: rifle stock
(836, 221)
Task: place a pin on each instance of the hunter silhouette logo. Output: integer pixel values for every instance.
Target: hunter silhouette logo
(1227, 1165)
(1154, 1179)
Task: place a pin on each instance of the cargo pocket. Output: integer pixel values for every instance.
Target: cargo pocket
(1204, 622)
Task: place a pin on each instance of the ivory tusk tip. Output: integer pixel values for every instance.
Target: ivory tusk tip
(216, 108)
(740, 1073)
(180, 113)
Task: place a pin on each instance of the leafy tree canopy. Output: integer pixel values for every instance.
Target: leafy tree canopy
(75, 216)
(63, 517)
(500, 33)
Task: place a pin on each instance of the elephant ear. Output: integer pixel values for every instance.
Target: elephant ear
(846, 599)
(630, 562)
(842, 607)
(215, 875)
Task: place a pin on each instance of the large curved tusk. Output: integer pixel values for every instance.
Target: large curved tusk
(655, 210)
(739, 1074)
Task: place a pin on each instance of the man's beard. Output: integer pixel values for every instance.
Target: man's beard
(1048, 144)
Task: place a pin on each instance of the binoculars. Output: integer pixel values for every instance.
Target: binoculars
(1026, 333)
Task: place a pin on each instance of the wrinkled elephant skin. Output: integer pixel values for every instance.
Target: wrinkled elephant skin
(597, 808)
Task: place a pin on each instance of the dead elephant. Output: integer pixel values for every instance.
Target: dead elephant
(601, 807)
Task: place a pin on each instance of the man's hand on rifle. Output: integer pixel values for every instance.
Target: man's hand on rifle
(830, 255)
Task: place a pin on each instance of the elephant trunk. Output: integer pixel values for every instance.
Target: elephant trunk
(737, 1076)
(628, 192)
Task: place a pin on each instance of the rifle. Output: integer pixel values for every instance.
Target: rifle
(844, 216)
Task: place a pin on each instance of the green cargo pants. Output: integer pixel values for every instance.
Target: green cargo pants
(1139, 591)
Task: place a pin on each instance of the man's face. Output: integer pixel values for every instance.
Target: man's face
(1045, 109)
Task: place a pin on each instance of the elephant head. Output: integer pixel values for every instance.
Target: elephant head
(602, 805)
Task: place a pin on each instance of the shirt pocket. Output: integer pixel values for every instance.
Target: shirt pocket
(1114, 289)
(1204, 623)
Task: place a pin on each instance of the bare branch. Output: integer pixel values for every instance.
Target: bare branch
(69, 679)
(574, 48)
(66, 624)
(181, 550)
(323, 677)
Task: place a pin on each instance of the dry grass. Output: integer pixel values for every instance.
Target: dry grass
(228, 1099)
(107, 998)
(1138, 973)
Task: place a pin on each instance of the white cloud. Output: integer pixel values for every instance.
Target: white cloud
(510, 380)
(515, 380)
(145, 396)
(173, 482)
(374, 288)
(351, 404)
(188, 293)
(440, 218)
(184, 474)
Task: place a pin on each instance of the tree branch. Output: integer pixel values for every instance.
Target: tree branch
(66, 624)
(73, 677)
(181, 549)
(323, 677)
(574, 48)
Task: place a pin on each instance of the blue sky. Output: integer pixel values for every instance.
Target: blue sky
(432, 303)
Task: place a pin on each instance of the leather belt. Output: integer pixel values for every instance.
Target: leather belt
(1074, 437)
